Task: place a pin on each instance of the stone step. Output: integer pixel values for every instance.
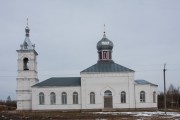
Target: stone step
(108, 110)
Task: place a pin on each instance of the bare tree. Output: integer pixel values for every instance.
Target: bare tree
(172, 97)
(8, 99)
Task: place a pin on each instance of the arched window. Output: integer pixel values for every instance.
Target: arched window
(25, 64)
(123, 97)
(154, 97)
(64, 98)
(92, 98)
(53, 98)
(41, 98)
(75, 98)
(142, 96)
(107, 93)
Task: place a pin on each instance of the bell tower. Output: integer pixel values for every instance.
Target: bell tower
(27, 72)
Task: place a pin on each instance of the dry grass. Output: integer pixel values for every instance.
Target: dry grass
(59, 115)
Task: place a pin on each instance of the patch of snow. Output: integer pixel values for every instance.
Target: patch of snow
(157, 113)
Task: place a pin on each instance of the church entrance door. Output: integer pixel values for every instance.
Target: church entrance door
(108, 99)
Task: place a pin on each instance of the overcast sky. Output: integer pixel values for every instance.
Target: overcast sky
(145, 33)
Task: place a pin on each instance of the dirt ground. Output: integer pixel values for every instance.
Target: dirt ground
(57, 115)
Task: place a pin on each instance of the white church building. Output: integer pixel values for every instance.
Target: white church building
(102, 86)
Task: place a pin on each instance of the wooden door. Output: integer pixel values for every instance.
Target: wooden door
(108, 102)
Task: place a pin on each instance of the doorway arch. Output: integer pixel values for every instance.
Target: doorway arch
(108, 99)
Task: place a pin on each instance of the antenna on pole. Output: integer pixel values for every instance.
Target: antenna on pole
(164, 71)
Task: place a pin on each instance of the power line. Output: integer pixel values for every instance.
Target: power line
(41, 75)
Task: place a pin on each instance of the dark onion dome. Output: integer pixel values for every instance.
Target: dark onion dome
(105, 43)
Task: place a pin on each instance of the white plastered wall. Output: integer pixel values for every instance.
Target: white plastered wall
(100, 82)
(57, 91)
(25, 79)
(148, 89)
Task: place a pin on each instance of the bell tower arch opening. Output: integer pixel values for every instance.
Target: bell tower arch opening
(25, 63)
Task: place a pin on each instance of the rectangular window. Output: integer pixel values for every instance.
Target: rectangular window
(154, 97)
(104, 54)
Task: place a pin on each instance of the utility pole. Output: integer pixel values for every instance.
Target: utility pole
(177, 104)
(164, 71)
